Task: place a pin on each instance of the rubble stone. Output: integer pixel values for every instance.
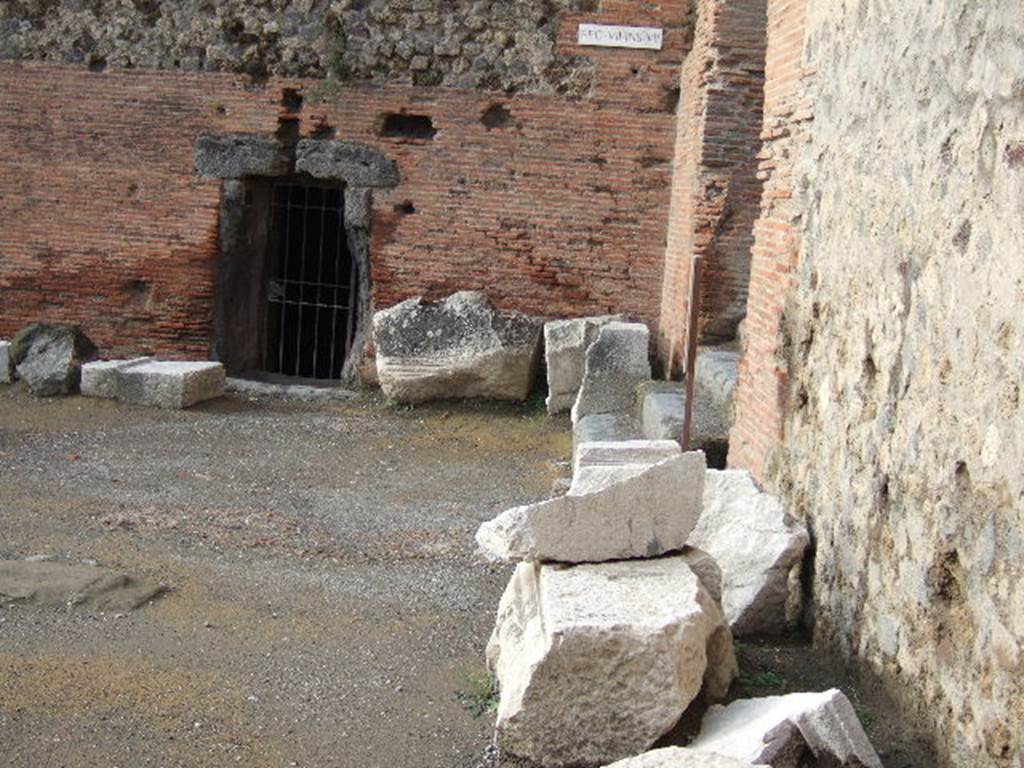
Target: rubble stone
(645, 515)
(616, 364)
(758, 547)
(459, 347)
(49, 357)
(780, 730)
(595, 662)
(565, 351)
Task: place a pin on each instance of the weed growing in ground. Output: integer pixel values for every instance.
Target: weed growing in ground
(480, 694)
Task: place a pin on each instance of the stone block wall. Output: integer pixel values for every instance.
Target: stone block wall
(715, 187)
(554, 203)
(880, 390)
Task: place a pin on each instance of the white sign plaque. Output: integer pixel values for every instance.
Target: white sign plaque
(609, 36)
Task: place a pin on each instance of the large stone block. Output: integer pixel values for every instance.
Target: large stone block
(680, 757)
(357, 164)
(237, 155)
(165, 384)
(103, 377)
(49, 357)
(565, 351)
(595, 662)
(615, 453)
(6, 366)
(459, 347)
(645, 515)
(759, 549)
(616, 364)
(789, 731)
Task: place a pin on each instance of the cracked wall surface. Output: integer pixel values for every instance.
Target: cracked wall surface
(880, 391)
(466, 43)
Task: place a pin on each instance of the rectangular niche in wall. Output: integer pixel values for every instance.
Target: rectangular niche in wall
(312, 287)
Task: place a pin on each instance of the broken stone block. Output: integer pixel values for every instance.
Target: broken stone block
(680, 757)
(759, 549)
(662, 409)
(55, 584)
(646, 515)
(170, 384)
(598, 465)
(784, 731)
(595, 662)
(615, 365)
(49, 357)
(459, 347)
(565, 349)
(6, 366)
(103, 378)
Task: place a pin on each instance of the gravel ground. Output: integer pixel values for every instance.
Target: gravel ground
(324, 605)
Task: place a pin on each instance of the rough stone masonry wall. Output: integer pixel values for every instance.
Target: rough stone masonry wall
(888, 341)
(715, 189)
(465, 43)
(553, 204)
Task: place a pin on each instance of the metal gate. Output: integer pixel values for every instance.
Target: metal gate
(312, 292)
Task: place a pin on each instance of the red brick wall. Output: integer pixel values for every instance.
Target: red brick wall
(760, 398)
(562, 212)
(716, 190)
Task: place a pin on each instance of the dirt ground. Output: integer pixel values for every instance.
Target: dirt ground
(324, 606)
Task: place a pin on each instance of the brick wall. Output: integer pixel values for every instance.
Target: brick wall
(716, 189)
(760, 397)
(561, 211)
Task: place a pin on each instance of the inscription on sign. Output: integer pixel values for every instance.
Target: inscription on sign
(620, 37)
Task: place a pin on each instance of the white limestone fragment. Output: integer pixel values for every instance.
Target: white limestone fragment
(646, 515)
(778, 729)
(616, 364)
(595, 662)
(565, 349)
(758, 547)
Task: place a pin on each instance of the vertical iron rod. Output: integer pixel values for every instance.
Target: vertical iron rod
(692, 337)
(283, 266)
(302, 280)
(319, 288)
(334, 288)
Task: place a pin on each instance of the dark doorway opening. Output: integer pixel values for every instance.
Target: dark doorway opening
(313, 281)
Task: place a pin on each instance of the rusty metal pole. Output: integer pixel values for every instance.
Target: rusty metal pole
(692, 337)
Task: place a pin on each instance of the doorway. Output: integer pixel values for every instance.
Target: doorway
(312, 291)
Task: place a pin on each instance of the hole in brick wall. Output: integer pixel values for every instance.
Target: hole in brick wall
(221, 109)
(401, 126)
(671, 99)
(650, 161)
(495, 116)
(287, 131)
(405, 208)
(137, 291)
(97, 63)
(291, 99)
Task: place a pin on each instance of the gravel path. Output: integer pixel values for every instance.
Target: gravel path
(324, 606)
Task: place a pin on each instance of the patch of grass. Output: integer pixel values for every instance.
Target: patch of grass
(739, 647)
(480, 694)
(763, 681)
(867, 716)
